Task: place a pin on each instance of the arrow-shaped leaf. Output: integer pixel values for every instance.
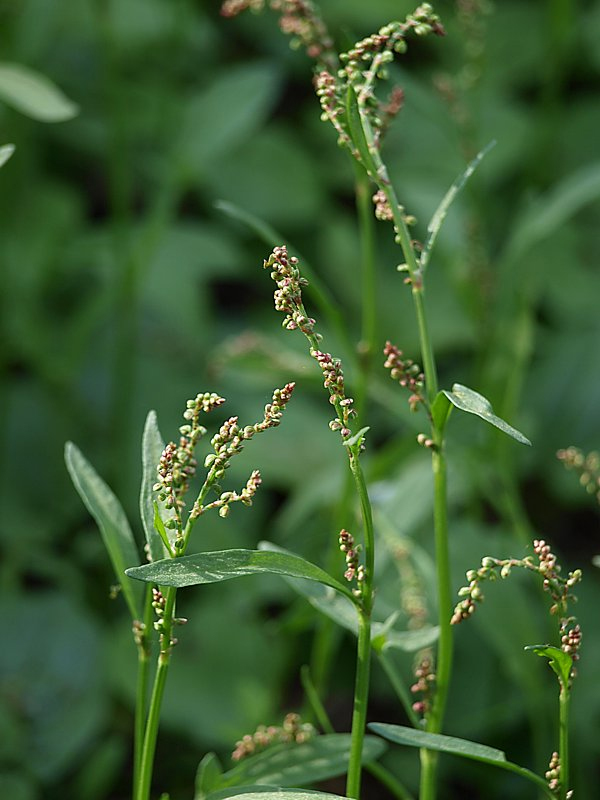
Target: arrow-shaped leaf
(223, 565)
(472, 402)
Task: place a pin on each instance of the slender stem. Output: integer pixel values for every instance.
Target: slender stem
(361, 686)
(390, 781)
(141, 697)
(368, 341)
(152, 723)
(563, 747)
(359, 714)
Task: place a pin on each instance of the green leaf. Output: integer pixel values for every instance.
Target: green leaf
(343, 612)
(472, 402)
(222, 565)
(273, 793)
(34, 95)
(357, 132)
(561, 662)
(110, 517)
(208, 776)
(357, 439)
(6, 152)
(290, 764)
(458, 747)
(440, 411)
(596, 561)
(152, 447)
(439, 216)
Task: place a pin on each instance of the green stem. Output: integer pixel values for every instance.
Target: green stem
(141, 696)
(361, 686)
(368, 343)
(385, 777)
(359, 714)
(152, 723)
(563, 747)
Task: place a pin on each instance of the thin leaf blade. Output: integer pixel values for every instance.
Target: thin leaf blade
(116, 533)
(472, 402)
(222, 565)
(440, 213)
(34, 94)
(413, 737)
(272, 793)
(152, 447)
(289, 764)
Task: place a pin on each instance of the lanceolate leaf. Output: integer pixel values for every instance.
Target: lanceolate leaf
(458, 747)
(110, 517)
(297, 764)
(440, 214)
(343, 612)
(34, 94)
(561, 663)
(272, 793)
(357, 134)
(472, 402)
(152, 447)
(222, 565)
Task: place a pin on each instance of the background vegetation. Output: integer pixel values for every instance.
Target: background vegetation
(125, 287)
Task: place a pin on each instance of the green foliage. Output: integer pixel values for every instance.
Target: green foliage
(227, 564)
(123, 290)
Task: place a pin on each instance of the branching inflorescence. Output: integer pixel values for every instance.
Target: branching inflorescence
(548, 568)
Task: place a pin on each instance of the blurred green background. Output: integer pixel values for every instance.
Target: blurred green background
(124, 288)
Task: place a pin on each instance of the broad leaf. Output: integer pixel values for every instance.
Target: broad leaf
(440, 214)
(110, 517)
(472, 402)
(34, 95)
(208, 776)
(458, 747)
(291, 764)
(6, 152)
(152, 447)
(357, 133)
(223, 565)
(561, 662)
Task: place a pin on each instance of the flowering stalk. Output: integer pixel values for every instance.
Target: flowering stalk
(288, 300)
(176, 469)
(562, 660)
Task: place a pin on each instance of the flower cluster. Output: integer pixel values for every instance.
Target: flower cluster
(413, 598)
(425, 683)
(228, 442)
(177, 464)
(383, 209)
(406, 372)
(334, 383)
(292, 730)
(548, 568)
(354, 570)
(586, 466)
(288, 299)
(298, 19)
(288, 295)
